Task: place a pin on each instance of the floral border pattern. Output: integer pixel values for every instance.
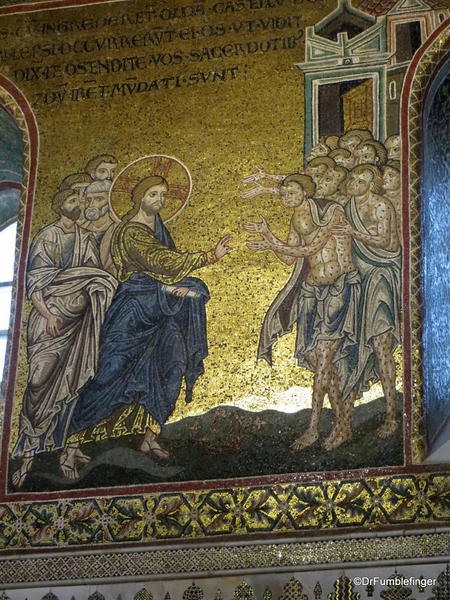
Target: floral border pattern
(288, 508)
(176, 516)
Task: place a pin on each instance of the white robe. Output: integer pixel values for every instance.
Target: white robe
(64, 267)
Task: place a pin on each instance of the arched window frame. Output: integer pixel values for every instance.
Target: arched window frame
(424, 67)
(17, 105)
(8, 250)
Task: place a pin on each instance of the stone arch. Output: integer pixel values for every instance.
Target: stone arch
(424, 67)
(13, 101)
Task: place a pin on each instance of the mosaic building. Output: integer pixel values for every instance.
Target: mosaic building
(224, 228)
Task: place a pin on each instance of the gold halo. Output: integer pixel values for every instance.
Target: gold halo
(172, 169)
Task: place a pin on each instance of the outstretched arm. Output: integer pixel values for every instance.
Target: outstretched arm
(136, 250)
(220, 250)
(261, 174)
(293, 241)
(258, 190)
(262, 228)
(280, 248)
(270, 242)
(269, 238)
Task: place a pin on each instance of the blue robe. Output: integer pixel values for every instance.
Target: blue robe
(150, 340)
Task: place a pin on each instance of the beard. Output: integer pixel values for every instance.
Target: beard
(94, 213)
(150, 210)
(73, 214)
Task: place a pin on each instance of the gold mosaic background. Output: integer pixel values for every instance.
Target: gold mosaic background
(221, 131)
(242, 286)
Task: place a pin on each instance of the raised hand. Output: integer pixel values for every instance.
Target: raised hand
(261, 174)
(260, 227)
(259, 245)
(222, 247)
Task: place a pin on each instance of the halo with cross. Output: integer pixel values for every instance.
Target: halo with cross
(172, 169)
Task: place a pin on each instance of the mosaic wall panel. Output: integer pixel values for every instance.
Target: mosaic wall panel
(282, 509)
(216, 324)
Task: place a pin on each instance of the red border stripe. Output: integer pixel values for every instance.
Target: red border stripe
(33, 138)
(408, 468)
(404, 128)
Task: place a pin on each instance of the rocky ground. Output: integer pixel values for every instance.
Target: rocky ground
(225, 443)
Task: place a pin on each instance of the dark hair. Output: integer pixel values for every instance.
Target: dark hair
(343, 172)
(59, 198)
(391, 137)
(74, 178)
(322, 160)
(94, 162)
(379, 149)
(363, 134)
(332, 141)
(392, 164)
(304, 181)
(340, 152)
(140, 190)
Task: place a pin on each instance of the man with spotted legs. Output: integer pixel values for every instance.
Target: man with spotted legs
(377, 256)
(321, 297)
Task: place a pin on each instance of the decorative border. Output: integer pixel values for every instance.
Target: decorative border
(15, 103)
(175, 516)
(21, 6)
(273, 508)
(417, 80)
(212, 560)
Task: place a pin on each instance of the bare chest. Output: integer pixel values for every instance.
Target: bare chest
(304, 225)
(368, 216)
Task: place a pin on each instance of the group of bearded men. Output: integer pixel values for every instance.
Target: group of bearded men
(116, 322)
(70, 283)
(344, 293)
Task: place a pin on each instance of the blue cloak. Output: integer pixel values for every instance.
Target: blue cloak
(150, 340)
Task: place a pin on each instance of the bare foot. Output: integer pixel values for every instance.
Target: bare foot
(306, 439)
(337, 437)
(20, 475)
(388, 427)
(151, 445)
(69, 459)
